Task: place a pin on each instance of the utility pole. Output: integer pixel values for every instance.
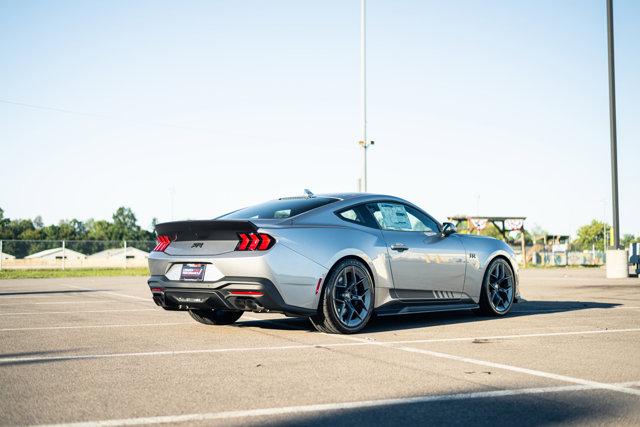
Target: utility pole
(612, 126)
(363, 90)
(616, 258)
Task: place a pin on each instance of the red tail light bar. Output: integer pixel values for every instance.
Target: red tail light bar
(254, 242)
(246, 242)
(162, 243)
(252, 293)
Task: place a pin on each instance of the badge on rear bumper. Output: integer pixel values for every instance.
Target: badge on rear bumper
(193, 272)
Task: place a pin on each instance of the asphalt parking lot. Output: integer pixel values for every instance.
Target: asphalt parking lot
(99, 351)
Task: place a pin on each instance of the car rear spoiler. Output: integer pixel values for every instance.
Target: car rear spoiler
(205, 229)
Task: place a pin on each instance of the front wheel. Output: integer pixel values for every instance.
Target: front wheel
(347, 299)
(498, 289)
(216, 316)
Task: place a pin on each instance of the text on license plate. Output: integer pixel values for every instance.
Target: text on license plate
(194, 272)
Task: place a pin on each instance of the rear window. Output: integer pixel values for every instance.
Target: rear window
(279, 209)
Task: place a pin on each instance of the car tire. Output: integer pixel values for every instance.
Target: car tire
(216, 316)
(498, 289)
(346, 302)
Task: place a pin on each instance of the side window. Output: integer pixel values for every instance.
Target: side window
(283, 213)
(399, 217)
(357, 214)
(421, 222)
(351, 215)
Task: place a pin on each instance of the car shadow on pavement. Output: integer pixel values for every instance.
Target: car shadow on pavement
(283, 323)
(416, 321)
(578, 407)
(528, 308)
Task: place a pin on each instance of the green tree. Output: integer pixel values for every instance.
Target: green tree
(98, 230)
(3, 220)
(33, 234)
(69, 230)
(591, 235)
(627, 239)
(17, 228)
(492, 231)
(125, 226)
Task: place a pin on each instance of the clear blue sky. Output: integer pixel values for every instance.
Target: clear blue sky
(501, 104)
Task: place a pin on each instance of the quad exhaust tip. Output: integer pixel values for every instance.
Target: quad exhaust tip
(248, 304)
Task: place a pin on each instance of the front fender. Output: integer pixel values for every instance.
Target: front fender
(480, 252)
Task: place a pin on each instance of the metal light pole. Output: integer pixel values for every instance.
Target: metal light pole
(612, 126)
(617, 262)
(363, 90)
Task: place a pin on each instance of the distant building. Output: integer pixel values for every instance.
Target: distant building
(57, 254)
(134, 254)
(6, 256)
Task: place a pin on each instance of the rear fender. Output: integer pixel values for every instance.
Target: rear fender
(327, 245)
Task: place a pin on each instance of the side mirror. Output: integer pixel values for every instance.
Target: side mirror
(448, 228)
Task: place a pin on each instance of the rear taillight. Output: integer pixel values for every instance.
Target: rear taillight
(162, 243)
(250, 293)
(254, 242)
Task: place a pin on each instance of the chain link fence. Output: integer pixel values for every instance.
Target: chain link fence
(25, 254)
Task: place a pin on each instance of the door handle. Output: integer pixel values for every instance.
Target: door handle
(399, 247)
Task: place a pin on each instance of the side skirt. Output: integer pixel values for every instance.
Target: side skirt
(414, 307)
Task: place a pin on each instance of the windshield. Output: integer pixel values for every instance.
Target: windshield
(279, 209)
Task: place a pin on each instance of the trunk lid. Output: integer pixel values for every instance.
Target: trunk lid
(203, 237)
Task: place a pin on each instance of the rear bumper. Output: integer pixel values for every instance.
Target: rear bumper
(229, 293)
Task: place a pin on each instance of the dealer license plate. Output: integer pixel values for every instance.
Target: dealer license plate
(193, 272)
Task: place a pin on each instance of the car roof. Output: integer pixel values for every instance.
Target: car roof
(346, 196)
(344, 201)
(356, 196)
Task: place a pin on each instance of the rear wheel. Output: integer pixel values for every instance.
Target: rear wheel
(347, 299)
(216, 316)
(498, 289)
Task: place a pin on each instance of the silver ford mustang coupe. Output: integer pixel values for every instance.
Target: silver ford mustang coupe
(337, 259)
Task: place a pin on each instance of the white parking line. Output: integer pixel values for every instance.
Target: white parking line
(328, 407)
(102, 301)
(124, 325)
(506, 337)
(502, 366)
(571, 310)
(5, 360)
(518, 369)
(77, 312)
(47, 296)
(353, 342)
